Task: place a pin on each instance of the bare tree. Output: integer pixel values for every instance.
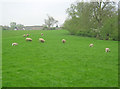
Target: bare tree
(50, 22)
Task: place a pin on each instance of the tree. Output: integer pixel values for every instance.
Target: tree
(20, 26)
(4, 27)
(96, 11)
(102, 10)
(80, 17)
(50, 22)
(92, 18)
(12, 25)
(110, 28)
(119, 20)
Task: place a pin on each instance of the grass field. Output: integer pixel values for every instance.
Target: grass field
(54, 64)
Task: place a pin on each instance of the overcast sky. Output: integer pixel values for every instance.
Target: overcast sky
(33, 12)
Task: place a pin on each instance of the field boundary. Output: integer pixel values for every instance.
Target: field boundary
(0, 57)
(60, 88)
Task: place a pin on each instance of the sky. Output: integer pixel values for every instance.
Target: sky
(33, 12)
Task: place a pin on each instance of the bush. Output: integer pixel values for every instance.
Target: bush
(45, 28)
(53, 28)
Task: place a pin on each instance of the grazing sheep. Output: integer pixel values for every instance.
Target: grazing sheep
(28, 39)
(91, 45)
(42, 40)
(63, 40)
(13, 44)
(107, 50)
(27, 34)
(41, 34)
(24, 35)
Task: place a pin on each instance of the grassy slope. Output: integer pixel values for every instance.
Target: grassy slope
(54, 64)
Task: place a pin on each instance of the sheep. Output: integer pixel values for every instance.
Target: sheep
(27, 34)
(41, 40)
(41, 34)
(24, 35)
(63, 40)
(28, 39)
(91, 45)
(107, 50)
(13, 44)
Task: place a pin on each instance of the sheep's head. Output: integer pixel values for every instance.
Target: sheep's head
(63, 40)
(41, 34)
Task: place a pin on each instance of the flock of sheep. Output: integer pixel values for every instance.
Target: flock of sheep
(106, 49)
(42, 40)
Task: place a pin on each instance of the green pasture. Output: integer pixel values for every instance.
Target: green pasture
(54, 64)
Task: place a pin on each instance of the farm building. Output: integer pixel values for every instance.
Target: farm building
(33, 27)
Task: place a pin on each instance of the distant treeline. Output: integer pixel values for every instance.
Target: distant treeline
(12, 26)
(93, 19)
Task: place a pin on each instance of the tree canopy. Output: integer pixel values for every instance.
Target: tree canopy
(84, 17)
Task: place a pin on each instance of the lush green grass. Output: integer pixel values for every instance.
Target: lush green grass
(54, 64)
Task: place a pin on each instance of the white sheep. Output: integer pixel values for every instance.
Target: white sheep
(63, 40)
(107, 50)
(41, 34)
(24, 35)
(28, 39)
(91, 45)
(42, 40)
(27, 34)
(13, 44)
